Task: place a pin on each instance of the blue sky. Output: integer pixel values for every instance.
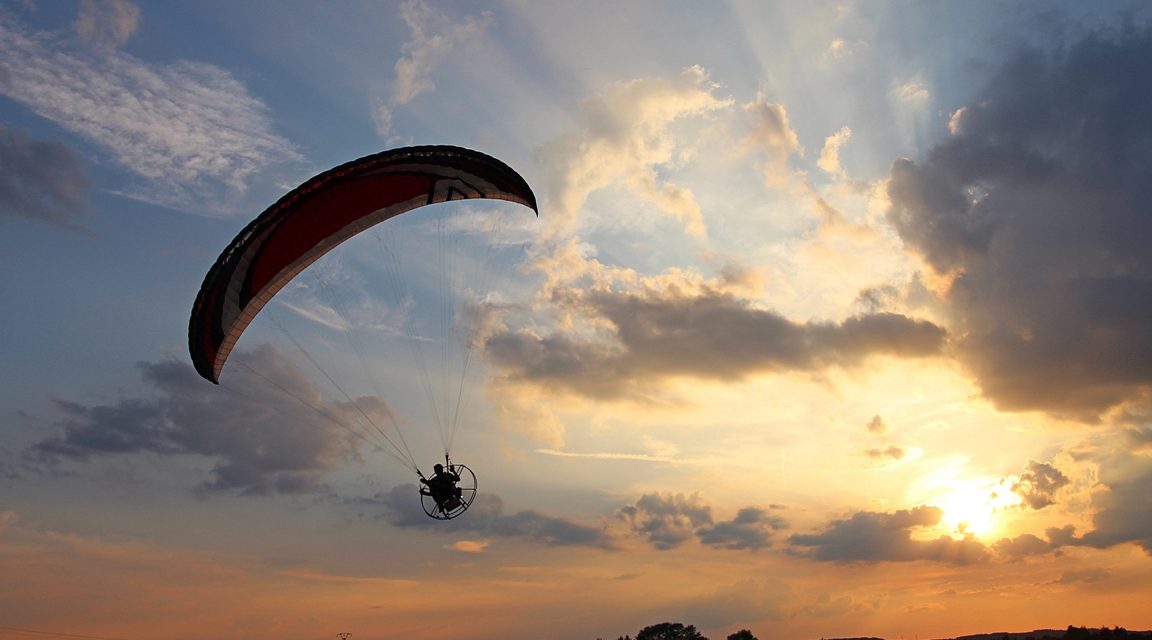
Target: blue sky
(833, 321)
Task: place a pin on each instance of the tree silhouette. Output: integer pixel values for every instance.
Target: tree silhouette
(1077, 633)
(742, 634)
(669, 631)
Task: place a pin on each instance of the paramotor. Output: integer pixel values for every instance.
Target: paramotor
(319, 215)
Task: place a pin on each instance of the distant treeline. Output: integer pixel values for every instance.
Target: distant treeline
(679, 631)
(1103, 633)
(1071, 633)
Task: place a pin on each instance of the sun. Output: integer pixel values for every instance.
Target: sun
(974, 508)
(968, 510)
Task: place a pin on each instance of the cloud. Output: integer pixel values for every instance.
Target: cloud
(1039, 483)
(838, 49)
(191, 131)
(7, 519)
(1084, 576)
(1061, 536)
(1140, 436)
(911, 94)
(107, 24)
(1026, 544)
(770, 136)
(257, 450)
(829, 159)
(1123, 510)
(1122, 513)
(752, 528)
(486, 516)
(468, 546)
(1022, 546)
(1036, 210)
(41, 180)
(432, 36)
(886, 537)
(321, 314)
(624, 139)
(607, 455)
(876, 425)
(893, 451)
(668, 521)
(678, 325)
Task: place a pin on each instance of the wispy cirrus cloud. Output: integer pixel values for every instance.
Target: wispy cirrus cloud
(107, 24)
(432, 36)
(192, 133)
(607, 455)
(624, 140)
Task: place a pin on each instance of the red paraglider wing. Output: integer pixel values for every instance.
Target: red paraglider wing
(319, 215)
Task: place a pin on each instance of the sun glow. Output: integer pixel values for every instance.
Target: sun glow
(968, 510)
(975, 507)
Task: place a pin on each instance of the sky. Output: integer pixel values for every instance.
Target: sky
(833, 322)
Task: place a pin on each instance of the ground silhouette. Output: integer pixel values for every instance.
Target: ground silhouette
(680, 631)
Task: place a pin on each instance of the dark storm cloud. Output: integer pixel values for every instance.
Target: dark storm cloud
(258, 449)
(41, 180)
(668, 521)
(1039, 204)
(486, 516)
(713, 335)
(1039, 483)
(886, 537)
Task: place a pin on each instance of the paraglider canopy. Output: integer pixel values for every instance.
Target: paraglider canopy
(319, 215)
